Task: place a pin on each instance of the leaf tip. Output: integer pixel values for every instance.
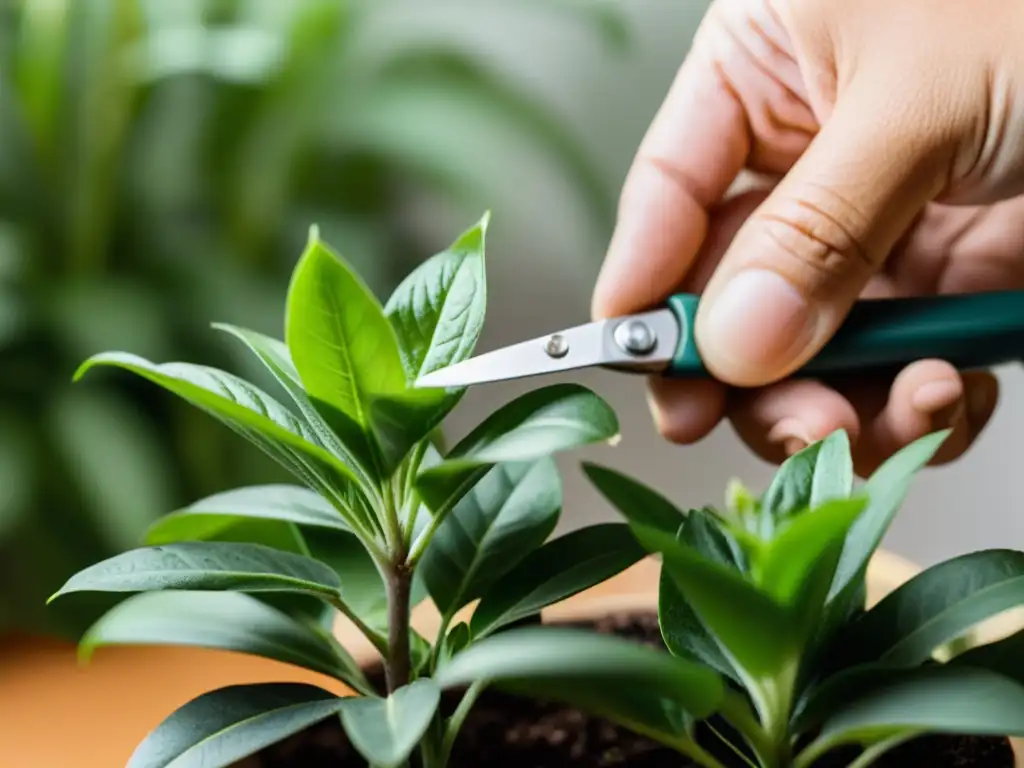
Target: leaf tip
(614, 440)
(313, 236)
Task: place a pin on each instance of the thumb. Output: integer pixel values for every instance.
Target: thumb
(793, 271)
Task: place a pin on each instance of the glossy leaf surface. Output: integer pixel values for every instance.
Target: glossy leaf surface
(636, 501)
(227, 621)
(937, 606)
(438, 310)
(249, 412)
(885, 491)
(224, 726)
(399, 421)
(801, 543)
(1005, 656)
(681, 628)
(206, 566)
(206, 517)
(573, 666)
(556, 571)
(348, 445)
(507, 515)
(385, 731)
(342, 344)
(756, 630)
(941, 699)
(833, 470)
(535, 425)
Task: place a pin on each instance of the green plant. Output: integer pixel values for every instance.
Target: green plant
(159, 163)
(775, 659)
(384, 517)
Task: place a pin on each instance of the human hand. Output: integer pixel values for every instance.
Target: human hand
(892, 133)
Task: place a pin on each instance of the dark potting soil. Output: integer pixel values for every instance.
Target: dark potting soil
(504, 730)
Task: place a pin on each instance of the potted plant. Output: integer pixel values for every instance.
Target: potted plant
(775, 661)
(384, 514)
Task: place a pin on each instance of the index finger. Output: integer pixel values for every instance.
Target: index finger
(695, 148)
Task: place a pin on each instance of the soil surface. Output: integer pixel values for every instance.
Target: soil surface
(503, 730)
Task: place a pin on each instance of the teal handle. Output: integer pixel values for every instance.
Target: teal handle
(969, 331)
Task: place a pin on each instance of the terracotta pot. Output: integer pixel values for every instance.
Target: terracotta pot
(56, 712)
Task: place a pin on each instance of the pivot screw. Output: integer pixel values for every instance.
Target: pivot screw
(635, 337)
(557, 346)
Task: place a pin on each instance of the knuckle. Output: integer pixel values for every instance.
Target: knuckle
(823, 232)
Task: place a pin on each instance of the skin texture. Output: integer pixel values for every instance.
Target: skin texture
(811, 152)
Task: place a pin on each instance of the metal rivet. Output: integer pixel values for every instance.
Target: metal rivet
(636, 337)
(557, 346)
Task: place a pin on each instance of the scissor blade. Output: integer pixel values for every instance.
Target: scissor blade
(584, 346)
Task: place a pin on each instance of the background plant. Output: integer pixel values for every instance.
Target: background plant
(384, 516)
(775, 659)
(161, 162)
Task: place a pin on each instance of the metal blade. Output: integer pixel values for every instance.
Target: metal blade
(640, 343)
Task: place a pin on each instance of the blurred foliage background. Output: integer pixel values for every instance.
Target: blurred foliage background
(160, 164)
(162, 160)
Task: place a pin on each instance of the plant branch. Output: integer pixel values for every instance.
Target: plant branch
(875, 751)
(397, 662)
(376, 638)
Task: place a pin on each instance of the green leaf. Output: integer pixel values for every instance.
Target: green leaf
(454, 642)
(278, 535)
(635, 500)
(885, 490)
(558, 570)
(937, 606)
(682, 630)
(438, 310)
(249, 412)
(507, 515)
(532, 426)
(833, 470)
(1004, 656)
(803, 542)
(342, 344)
(288, 503)
(224, 726)
(790, 490)
(227, 621)
(399, 422)
(385, 731)
(607, 676)
(206, 566)
(755, 630)
(942, 699)
(274, 354)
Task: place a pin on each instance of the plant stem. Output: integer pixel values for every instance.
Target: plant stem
(737, 713)
(397, 663)
(735, 750)
(875, 751)
(420, 546)
(451, 731)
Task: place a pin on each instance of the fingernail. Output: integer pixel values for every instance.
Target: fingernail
(757, 326)
(936, 395)
(792, 434)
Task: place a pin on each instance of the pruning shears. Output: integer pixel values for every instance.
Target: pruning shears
(968, 331)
